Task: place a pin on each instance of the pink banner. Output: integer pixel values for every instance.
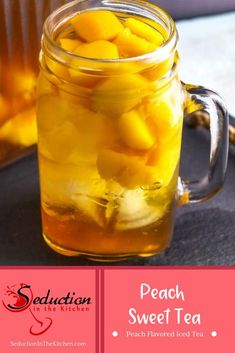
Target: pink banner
(117, 309)
(48, 309)
(161, 310)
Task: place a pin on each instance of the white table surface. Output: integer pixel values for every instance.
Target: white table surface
(207, 50)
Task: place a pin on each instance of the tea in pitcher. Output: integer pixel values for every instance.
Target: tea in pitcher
(18, 70)
(20, 31)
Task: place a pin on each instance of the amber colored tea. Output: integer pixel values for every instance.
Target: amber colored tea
(18, 70)
(20, 31)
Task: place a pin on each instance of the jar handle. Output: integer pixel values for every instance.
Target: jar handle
(200, 100)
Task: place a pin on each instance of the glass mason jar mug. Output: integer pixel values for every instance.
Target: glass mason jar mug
(110, 137)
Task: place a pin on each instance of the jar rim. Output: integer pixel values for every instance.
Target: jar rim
(50, 45)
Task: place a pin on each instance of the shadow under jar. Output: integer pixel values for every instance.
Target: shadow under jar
(110, 138)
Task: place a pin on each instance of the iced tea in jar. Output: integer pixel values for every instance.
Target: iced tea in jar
(110, 113)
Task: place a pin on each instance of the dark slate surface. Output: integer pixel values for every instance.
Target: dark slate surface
(204, 233)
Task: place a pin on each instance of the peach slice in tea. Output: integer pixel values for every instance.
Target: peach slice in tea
(119, 94)
(162, 118)
(131, 45)
(99, 49)
(129, 171)
(95, 25)
(144, 31)
(69, 44)
(134, 132)
(20, 129)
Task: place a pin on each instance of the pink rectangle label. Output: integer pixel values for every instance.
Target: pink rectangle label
(48, 309)
(110, 310)
(160, 310)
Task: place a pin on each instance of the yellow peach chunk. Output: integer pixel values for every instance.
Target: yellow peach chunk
(69, 44)
(51, 112)
(72, 94)
(4, 109)
(21, 82)
(119, 94)
(54, 111)
(90, 124)
(162, 119)
(20, 129)
(85, 80)
(47, 86)
(158, 71)
(99, 49)
(128, 170)
(94, 25)
(59, 118)
(110, 164)
(125, 83)
(158, 27)
(165, 158)
(134, 131)
(144, 31)
(95, 129)
(57, 69)
(130, 45)
(60, 142)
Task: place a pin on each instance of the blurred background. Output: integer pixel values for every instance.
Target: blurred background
(207, 51)
(207, 47)
(180, 9)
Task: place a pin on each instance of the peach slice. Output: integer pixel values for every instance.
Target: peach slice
(82, 79)
(47, 85)
(99, 49)
(70, 132)
(21, 82)
(78, 48)
(162, 118)
(54, 111)
(130, 45)
(4, 109)
(157, 71)
(59, 143)
(51, 112)
(119, 94)
(165, 158)
(69, 45)
(20, 129)
(94, 25)
(134, 132)
(144, 31)
(57, 69)
(128, 170)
